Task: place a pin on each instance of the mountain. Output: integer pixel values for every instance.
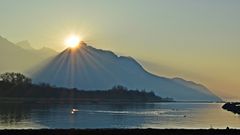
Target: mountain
(20, 57)
(14, 58)
(88, 68)
(44, 52)
(25, 45)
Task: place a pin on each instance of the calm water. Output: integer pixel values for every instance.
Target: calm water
(156, 115)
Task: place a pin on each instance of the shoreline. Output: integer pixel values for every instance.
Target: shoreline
(69, 100)
(121, 131)
(86, 100)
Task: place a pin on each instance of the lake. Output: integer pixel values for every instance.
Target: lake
(127, 115)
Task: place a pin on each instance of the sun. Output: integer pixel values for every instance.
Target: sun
(72, 41)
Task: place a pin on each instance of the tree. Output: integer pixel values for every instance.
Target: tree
(119, 88)
(15, 78)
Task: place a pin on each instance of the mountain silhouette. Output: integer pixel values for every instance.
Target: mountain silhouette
(21, 56)
(44, 52)
(88, 68)
(25, 45)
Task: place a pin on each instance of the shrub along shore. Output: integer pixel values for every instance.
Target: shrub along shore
(15, 87)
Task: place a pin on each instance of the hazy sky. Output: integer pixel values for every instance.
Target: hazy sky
(195, 39)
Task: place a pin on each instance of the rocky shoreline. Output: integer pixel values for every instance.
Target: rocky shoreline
(233, 107)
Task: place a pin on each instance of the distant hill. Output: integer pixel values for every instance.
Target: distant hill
(21, 57)
(44, 52)
(25, 45)
(89, 68)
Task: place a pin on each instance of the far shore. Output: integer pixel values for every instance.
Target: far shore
(87, 100)
(66, 100)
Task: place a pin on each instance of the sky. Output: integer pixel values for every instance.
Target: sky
(194, 39)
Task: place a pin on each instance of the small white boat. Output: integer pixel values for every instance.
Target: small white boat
(74, 110)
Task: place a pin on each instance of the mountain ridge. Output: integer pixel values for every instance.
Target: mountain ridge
(17, 58)
(107, 69)
(89, 68)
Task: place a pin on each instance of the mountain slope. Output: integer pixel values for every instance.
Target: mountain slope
(92, 69)
(25, 45)
(20, 59)
(44, 52)
(14, 58)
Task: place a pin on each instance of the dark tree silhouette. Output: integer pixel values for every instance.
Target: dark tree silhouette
(15, 78)
(119, 88)
(16, 85)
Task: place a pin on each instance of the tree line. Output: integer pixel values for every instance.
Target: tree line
(17, 85)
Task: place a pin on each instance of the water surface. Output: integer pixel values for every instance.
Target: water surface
(128, 115)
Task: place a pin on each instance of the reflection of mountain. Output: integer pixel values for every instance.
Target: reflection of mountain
(20, 57)
(90, 69)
